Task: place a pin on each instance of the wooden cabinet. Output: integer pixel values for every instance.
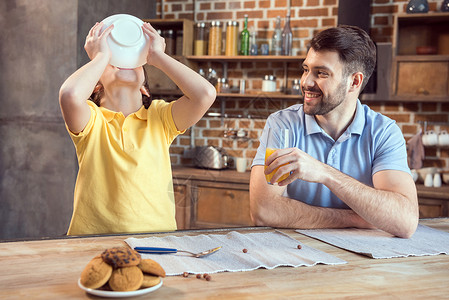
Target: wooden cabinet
(182, 27)
(433, 208)
(217, 205)
(433, 202)
(183, 205)
(183, 35)
(211, 199)
(420, 76)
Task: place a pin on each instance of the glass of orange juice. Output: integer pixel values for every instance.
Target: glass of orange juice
(276, 139)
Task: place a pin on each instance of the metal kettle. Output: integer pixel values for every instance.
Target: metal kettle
(210, 157)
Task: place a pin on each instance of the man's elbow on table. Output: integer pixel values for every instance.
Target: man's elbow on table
(409, 228)
(262, 198)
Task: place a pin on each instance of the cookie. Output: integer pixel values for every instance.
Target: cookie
(96, 273)
(150, 280)
(121, 257)
(126, 279)
(151, 267)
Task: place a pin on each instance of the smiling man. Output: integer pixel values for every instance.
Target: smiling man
(347, 164)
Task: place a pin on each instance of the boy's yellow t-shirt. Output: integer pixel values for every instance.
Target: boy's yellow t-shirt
(124, 182)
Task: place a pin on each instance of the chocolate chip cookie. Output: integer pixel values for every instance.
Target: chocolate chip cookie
(119, 257)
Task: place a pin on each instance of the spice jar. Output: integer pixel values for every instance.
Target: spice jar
(222, 85)
(215, 37)
(231, 38)
(296, 87)
(269, 83)
(200, 39)
(170, 42)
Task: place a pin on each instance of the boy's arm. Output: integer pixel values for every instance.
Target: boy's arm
(79, 86)
(199, 94)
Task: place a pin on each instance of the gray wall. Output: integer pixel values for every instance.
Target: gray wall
(41, 45)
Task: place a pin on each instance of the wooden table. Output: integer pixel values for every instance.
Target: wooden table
(49, 269)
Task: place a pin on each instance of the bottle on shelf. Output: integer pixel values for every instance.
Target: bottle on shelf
(287, 37)
(200, 39)
(215, 37)
(244, 38)
(253, 43)
(276, 40)
(231, 38)
(170, 42)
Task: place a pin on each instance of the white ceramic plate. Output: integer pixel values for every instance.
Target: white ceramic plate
(113, 294)
(129, 45)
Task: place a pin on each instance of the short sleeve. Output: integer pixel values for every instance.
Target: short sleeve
(164, 110)
(79, 136)
(391, 152)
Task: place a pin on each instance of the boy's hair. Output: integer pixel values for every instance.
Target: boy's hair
(98, 93)
(355, 48)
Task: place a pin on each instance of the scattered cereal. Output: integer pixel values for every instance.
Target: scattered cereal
(245, 250)
(299, 247)
(185, 274)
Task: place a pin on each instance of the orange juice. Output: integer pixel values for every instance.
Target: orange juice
(268, 152)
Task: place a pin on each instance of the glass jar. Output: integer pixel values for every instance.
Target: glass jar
(215, 37)
(232, 31)
(296, 87)
(269, 83)
(222, 85)
(170, 42)
(200, 39)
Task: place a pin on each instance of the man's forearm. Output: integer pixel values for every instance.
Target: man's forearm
(391, 211)
(289, 213)
(269, 208)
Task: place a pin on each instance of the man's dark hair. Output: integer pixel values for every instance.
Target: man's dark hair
(355, 48)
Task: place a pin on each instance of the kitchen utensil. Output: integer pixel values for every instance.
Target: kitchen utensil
(241, 164)
(210, 157)
(158, 250)
(127, 42)
(429, 180)
(443, 138)
(437, 180)
(430, 138)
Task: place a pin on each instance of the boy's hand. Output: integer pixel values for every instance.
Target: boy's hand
(157, 43)
(96, 43)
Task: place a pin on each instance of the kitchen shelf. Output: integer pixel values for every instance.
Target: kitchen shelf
(247, 58)
(182, 25)
(247, 96)
(273, 95)
(426, 29)
(420, 78)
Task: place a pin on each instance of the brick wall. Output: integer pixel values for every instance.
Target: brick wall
(307, 17)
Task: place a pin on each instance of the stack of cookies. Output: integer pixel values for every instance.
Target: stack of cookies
(122, 269)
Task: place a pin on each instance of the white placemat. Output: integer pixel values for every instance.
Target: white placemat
(264, 250)
(380, 244)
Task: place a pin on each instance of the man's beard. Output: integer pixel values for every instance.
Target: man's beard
(327, 103)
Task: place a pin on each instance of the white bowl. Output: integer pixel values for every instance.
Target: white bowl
(129, 45)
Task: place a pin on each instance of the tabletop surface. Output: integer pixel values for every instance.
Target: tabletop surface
(49, 269)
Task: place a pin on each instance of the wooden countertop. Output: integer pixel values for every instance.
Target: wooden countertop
(233, 176)
(49, 269)
(226, 175)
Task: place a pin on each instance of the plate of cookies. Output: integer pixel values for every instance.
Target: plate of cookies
(120, 272)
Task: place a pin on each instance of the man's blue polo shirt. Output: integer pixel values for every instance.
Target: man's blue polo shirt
(371, 143)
